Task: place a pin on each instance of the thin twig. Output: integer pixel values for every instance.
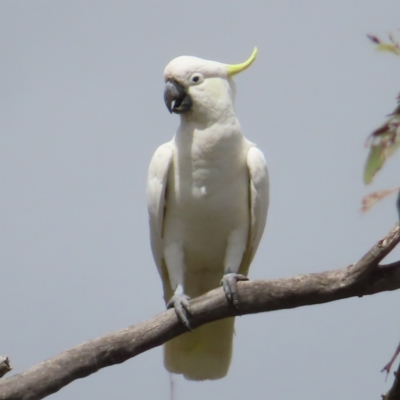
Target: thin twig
(394, 392)
(388, 366)
(363, 278)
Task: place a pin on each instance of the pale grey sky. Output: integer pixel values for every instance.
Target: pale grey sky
(82, 101)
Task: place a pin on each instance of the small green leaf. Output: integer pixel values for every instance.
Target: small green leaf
(374, 163)
(389, 47)
(393, 46)
(383, 142)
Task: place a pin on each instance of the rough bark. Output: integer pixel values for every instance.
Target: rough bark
(365, 277)
(4, 365)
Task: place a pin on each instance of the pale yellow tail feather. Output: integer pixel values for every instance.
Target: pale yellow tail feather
(204, 353)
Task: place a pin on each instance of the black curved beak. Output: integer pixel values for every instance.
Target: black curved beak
(176, 99)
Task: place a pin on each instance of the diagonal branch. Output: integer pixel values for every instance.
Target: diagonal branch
(361, 270)
(364, 278)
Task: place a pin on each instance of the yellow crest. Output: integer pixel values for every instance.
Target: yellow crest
(236, 68)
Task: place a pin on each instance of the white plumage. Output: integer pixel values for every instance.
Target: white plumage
(207, 199)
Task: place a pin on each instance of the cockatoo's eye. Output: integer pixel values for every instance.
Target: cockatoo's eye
(196, 79)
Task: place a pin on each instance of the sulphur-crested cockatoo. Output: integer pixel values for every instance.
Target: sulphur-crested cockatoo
(207, 195)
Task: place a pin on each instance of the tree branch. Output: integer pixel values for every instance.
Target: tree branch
(5, 366)
(363, 278)
(394, 392)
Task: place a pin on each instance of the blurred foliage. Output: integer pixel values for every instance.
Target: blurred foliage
(393, 46)
(371, 199)
(382, 143)
(385, 140)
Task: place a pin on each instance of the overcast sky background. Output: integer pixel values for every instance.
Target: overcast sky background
(82, 113)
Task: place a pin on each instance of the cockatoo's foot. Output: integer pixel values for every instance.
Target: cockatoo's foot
(181, 304)
(229, 283)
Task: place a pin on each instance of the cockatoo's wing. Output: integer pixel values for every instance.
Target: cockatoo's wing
(156, 204)
(258, 203)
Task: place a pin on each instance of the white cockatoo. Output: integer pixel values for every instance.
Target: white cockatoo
(207, 194)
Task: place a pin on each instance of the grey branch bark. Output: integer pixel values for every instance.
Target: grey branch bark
(366, 277)
(5, 365)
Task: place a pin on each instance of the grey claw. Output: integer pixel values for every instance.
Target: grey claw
(182, 308)
(229, 283)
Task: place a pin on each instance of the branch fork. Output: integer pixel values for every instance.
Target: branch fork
(366, 277)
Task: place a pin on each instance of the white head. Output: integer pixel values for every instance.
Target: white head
(198, 88)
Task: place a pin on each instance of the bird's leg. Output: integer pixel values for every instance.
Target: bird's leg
(233, 258)
(180, 301)
(173, 253)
